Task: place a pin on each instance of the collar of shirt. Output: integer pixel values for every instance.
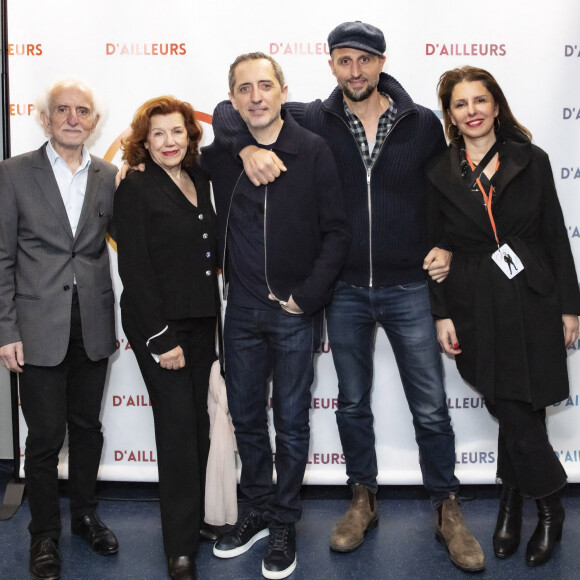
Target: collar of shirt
(54, 157)
(386, 121)
(72, 187)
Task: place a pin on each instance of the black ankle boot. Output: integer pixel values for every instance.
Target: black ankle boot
(548, 531)
(508, 529)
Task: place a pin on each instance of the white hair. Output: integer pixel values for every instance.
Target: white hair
(42, 104)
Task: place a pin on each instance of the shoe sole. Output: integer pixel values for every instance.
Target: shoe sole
(241, 549)
(439, 537)
(272, 575)
(44, 577)
(372, 525)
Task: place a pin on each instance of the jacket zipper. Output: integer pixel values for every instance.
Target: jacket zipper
(266, 240)
(369, 171)
(282, 302)
(224, 288)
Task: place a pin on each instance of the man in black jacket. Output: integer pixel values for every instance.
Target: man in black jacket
(282, 247)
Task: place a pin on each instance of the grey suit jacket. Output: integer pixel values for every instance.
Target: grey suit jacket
(39, 258)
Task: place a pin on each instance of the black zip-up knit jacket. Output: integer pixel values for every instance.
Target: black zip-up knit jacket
(306, 230)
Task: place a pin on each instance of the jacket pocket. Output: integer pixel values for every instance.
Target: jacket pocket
(26, 297)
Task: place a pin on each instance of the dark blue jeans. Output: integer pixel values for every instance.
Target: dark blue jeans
(257, 344)
(405, 313)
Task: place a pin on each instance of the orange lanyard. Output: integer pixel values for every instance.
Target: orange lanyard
(486, 197)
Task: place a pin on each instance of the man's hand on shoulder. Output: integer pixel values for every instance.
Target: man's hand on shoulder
(261, 165)
(125, 168)
(12, 356)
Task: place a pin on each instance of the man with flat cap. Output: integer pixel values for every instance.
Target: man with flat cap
(381, 141)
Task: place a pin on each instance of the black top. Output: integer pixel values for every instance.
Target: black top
(166, 249)
(246, 251)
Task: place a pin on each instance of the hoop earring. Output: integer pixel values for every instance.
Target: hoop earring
(496, 127)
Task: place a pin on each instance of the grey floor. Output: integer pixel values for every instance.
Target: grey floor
(402, 547)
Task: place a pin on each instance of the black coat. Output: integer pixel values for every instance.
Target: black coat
(510, 331)
(166, 248)
(305, 223)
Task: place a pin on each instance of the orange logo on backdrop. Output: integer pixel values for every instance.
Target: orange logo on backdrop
(25, 50)
(116, 145)
(299, 48)
(145, 49)
(21, 110)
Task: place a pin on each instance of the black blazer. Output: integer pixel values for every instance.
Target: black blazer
(166, 249)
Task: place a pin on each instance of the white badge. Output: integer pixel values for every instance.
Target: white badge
(508, 261)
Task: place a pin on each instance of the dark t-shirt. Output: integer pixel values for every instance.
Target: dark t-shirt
(245, 248)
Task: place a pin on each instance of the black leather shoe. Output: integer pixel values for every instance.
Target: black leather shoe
(182, 567)
(99, 538)
(208, 533)
(45, 559)
(548, 531)
(508, 529)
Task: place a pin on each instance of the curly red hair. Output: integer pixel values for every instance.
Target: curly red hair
(133, 145)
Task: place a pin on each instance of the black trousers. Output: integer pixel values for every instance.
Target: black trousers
(526, 459)
(53, 398)
(179, 402)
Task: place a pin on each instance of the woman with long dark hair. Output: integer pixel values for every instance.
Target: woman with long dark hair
(509, 307)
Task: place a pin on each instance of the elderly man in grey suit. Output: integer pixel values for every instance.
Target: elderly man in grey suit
(57, 326)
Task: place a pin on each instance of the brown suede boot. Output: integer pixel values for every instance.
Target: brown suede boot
(361, 517)
(451, 531)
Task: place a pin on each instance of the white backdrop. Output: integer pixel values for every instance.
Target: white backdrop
(132, 50)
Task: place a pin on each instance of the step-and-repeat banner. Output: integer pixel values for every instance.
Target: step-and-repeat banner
(132, 50)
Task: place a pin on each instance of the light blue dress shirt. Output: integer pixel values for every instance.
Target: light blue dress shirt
(72, 186)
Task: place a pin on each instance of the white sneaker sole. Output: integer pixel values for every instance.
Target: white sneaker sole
(278, 575)
(242, 549)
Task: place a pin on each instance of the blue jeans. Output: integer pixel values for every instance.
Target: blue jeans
(257, 344)
(405, 313)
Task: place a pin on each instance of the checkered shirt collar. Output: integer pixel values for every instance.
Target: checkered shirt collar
(386, 121)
